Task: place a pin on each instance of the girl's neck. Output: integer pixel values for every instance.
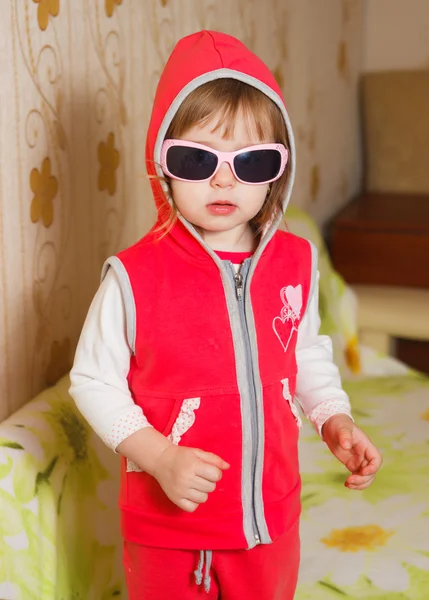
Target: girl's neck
(234, 240)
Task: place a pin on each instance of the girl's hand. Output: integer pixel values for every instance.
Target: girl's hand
(188, 475)
(354, 449)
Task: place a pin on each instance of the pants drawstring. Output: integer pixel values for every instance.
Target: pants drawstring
(199, 572)
(207, 579)
(206, 555)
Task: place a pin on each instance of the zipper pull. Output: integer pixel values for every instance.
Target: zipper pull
(238, 278)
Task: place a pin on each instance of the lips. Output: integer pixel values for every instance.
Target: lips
(221, 203)
(221, 207)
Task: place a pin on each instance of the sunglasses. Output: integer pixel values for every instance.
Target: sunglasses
(189, 161)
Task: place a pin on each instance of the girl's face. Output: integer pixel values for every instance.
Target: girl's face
(222, 226)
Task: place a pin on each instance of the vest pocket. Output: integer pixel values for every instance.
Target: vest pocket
(185, 419)
(288, 397)
(281, 431)
(181, 419)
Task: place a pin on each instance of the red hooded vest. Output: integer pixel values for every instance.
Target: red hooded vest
(210, 368)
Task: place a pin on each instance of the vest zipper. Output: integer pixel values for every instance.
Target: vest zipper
(238, 280)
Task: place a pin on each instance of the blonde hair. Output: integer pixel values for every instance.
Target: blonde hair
(228, 97)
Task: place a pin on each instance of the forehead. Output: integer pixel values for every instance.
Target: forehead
(242, 127)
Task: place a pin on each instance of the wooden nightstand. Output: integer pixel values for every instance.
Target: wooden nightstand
(383, 240)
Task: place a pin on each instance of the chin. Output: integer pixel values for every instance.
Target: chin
(218, 225)
(221, 228)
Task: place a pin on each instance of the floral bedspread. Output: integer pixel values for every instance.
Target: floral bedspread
(372, 544)
(59, 528)
(59, 523)
(59, 534)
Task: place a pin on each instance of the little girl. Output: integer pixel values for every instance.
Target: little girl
(203, 333)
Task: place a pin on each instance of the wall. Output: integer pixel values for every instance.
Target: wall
(396, 34)
(78, 78)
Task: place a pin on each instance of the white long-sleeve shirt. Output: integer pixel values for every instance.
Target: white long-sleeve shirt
(99, 383)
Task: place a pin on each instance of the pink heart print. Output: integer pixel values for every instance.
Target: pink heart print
(285, 324)
(283, 330)
(292, 297)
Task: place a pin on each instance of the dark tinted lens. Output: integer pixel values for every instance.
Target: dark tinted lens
(191, 163)
(257, 166)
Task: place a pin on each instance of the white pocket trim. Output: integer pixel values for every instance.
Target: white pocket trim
(287, 396)
(184, 421)
(131, 466)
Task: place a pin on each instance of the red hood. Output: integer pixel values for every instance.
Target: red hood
(196, 59)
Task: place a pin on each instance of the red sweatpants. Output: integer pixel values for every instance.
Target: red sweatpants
(267, 572)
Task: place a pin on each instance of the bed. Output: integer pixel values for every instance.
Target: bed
(59, 529)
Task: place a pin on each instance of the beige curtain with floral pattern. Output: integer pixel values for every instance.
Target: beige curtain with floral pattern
(77, 81)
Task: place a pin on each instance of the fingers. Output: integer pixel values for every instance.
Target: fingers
(196, 496)
(374, 461)
(187, 505)
(203, 485)
(211, 458)
(355, 462)
(359, 464)
(371, 469)
(367, 463)
(193, 500)
(363, 466)
(210, 466)
(363, 476)
(208, 472)
(359, 482)
(345, 437)
(361, 487)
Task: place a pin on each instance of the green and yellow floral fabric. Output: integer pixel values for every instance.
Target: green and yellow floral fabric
(372, 544)
(59, 530)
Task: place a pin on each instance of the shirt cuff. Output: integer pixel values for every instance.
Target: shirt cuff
(124, 426)
(321, 413)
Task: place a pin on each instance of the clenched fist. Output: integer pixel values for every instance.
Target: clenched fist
(188, 475)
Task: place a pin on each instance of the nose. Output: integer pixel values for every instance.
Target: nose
(224, 177)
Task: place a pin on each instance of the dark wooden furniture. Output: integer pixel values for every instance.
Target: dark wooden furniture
(383, 239)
